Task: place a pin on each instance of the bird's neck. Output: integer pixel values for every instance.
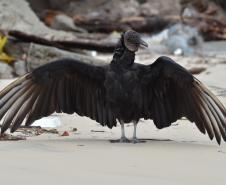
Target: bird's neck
(123, 57)
(119, 50)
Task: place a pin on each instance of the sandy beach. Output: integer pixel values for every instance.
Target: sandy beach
(178, 155)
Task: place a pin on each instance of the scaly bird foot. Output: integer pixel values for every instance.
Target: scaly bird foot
(135, 140)
(121, 140)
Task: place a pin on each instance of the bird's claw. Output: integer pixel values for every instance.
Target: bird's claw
(121, 140)
(124, 140)
(136, 140)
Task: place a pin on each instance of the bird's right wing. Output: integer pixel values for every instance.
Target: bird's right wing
(171, 92)
(65, 85)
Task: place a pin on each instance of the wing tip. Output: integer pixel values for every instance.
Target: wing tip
(13, 129)
(3, 129)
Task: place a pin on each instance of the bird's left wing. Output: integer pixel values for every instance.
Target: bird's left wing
(171, 92)
(65, 86)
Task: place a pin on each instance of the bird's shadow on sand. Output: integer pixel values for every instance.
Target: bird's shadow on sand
(148, 141)
(140, 140)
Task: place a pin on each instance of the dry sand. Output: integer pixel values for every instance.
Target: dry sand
(178, 155)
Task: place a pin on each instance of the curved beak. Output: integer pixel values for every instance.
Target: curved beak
(143, 44)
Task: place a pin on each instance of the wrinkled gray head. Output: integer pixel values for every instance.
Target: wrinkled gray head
(133, 41)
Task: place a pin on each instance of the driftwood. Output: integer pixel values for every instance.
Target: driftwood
(102, 46)
(141, 24)
(209, 27)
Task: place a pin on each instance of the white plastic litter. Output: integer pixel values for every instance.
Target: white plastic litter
(50, 122)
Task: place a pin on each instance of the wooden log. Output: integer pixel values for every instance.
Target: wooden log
(141, 24)
(210, 27)
(70, 45)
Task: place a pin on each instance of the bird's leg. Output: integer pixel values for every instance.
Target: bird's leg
(123, 137)
(134, 139)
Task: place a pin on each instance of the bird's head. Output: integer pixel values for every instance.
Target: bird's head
(129, 43)
(132, 41)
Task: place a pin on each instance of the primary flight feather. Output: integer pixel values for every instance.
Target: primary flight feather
(122, 90)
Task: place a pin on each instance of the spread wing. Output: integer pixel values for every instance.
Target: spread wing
(65, 86)
(171, 92)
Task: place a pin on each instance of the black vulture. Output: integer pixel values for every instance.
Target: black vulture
(122, 90)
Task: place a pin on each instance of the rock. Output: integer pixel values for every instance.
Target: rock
(62, 4)
(113, 10)
(16, 49)
(160, 7)
(117, 8)
(39, 6)
(6, 71)
(17, 15)
(36, 55)
(20, 67)
(40, 55)
(65, 23)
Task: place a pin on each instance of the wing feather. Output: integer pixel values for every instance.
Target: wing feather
(23, 111)
(17, 105)
(10, 101)
(65, 85)
(176, 93)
